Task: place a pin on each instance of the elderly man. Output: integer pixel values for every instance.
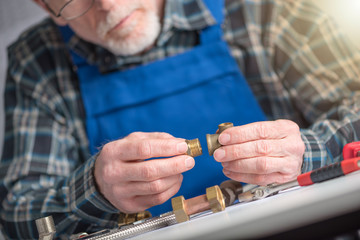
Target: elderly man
(100, 97)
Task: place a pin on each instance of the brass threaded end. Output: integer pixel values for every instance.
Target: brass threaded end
(194, 147)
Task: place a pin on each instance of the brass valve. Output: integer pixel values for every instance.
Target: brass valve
(213, 199)
(212, 139)
(194, 147)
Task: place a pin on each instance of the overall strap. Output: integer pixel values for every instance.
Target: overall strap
(213, 33)
(67, 33)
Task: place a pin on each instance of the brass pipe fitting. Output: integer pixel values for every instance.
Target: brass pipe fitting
(133, 217)
(194, 147)
(180, 209)
(212, 139)
(213, 199)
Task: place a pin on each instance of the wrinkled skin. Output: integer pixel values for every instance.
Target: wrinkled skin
(262, 153)
(132, 183)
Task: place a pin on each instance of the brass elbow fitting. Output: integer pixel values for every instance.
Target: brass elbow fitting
(194, 147)
(212, 139)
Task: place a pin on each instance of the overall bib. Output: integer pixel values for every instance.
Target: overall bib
(186, 95)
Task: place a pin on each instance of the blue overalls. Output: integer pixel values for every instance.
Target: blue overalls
(186, 95)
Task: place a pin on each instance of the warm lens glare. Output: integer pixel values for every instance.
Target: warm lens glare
(346, 14)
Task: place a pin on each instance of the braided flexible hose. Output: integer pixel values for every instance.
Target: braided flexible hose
(132, 230)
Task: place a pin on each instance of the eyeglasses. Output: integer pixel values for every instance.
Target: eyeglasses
(70, 10)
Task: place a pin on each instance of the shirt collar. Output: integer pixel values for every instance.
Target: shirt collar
(179, 15)
(185, 15)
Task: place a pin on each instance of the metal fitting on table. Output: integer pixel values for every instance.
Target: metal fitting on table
(194, 147)
(133, 217)
(230, 190)
(213, 199)
(212, 139)
(46, 228)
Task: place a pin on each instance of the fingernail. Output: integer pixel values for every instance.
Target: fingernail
(182, 147)
(189, 163)
(224, 138)
(219, 154)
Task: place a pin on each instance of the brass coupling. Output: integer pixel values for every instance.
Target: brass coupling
(194, 147)
(212, 139)
(213, 199)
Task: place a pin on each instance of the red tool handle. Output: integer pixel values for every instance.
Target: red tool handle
(351, 150)
(329, 172)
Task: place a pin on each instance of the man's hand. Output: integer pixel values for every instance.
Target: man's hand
(262, 152)
(132, 184)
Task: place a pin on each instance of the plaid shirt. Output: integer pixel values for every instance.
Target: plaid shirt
(299, 66)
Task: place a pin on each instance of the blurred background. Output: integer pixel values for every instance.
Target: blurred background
(346, 14)
(16, 15)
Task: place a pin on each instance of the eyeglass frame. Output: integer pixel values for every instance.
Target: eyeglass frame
(62, 8)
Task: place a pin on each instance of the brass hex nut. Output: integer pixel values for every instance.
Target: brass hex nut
(215, 198)
(179, 209)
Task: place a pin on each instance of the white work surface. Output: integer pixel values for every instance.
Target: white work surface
(283, 212)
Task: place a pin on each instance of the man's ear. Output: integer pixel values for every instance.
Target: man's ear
(58, 20)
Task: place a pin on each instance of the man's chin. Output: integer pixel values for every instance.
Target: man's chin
(126, 49)
(136, 41)
(132, 45)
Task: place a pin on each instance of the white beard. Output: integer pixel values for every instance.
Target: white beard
(131, 39)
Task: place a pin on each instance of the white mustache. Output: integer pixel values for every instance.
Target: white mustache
(114, 17)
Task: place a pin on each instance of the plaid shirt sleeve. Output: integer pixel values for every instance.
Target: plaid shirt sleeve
(321, 70)
(43, 169)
